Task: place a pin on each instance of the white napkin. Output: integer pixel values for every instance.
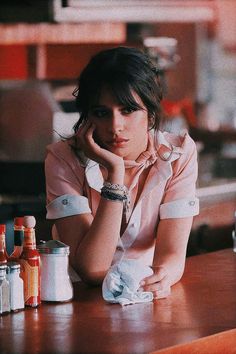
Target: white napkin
(121, 283)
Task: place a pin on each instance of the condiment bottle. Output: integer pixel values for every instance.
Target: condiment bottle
(55, 281)
(30, 264)
(4, 291)
(18, 238)
(16, 286)
(3, 252)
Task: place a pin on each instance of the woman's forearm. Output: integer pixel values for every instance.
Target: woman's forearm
(171, 244)
(96, 250)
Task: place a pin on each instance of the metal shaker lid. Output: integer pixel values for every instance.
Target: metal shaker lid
(53, 247)
(13, 267)
(3, 269)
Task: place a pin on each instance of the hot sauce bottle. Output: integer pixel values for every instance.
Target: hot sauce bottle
(18, 238)
(3, 252)
(30, 264)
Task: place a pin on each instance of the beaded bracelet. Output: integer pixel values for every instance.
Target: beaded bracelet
(117, 193)
(113, 196)
(115, 187)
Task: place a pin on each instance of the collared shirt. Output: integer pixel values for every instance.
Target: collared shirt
(74, 188)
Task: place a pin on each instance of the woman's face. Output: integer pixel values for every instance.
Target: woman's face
(119, 129)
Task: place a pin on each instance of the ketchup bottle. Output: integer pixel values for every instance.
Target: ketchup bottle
(3, 252)
(30, 264)
(18, 239)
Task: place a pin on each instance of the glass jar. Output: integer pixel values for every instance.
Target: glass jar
(55, 281)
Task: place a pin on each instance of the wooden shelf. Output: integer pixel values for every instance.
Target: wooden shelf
(63, 33)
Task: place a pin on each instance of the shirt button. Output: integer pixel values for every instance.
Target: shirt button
(192, 203)
(65, 201)
(166, 155)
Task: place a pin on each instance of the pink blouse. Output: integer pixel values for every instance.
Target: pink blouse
(73, 187)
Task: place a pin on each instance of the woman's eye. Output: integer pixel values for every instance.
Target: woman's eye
(127, 110)
(100, 113)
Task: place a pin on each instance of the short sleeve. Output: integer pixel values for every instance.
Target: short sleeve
(64, 182)
(67, 205)
(179, 199)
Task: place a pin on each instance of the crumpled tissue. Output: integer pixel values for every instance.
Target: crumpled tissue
(121, 284)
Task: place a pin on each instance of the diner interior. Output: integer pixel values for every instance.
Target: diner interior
(43, 47)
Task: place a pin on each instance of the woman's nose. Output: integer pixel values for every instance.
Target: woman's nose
(117, 122)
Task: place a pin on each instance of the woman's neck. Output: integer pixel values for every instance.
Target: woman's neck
(142, 147)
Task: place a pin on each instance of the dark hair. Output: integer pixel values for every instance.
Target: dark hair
(123, 70)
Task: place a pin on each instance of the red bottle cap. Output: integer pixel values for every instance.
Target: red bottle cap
(2, 229)
(18, 221)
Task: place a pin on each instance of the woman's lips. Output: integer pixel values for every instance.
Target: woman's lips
(118, 142)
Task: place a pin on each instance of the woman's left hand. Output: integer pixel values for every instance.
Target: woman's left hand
(158, 283)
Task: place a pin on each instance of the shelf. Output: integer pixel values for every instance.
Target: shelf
(133, 11)
(63, 33)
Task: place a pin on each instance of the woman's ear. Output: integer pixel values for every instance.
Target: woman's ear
(151, 121)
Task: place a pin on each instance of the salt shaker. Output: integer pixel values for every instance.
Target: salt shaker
(55, 281)
(4, 291)
(16, 286)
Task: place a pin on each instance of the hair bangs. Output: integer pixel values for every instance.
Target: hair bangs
(123, 91)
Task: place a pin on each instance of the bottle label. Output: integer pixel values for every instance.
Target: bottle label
(18, 237)
(3, 254)
(30, 276)
(29, 238)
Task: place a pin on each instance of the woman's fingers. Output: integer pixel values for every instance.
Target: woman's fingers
(85, 139)
(158, 283)
(82, 131)
(86, 142)
(162, 293)
(158, 274)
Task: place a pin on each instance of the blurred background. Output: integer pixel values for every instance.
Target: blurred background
(45, 44)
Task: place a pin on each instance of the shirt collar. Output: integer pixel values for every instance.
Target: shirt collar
(171, 149)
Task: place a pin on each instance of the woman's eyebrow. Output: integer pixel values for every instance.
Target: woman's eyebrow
(98, 106)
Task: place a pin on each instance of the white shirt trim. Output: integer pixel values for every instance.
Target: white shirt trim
(179, 208)
(67, 205)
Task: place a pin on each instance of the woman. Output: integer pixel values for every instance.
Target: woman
(120, 188)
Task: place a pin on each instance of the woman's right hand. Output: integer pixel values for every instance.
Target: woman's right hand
(85, 141)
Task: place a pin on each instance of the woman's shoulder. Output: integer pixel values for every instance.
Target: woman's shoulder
(63, 149)
(66, 150)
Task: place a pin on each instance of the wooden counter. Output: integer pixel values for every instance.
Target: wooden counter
(212, 228)
(203, 303)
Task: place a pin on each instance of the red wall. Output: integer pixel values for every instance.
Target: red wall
(13, 62)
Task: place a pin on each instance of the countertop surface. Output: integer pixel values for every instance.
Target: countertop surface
(201, 304)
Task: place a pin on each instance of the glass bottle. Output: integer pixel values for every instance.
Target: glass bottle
(30, 264)
(16, 286)
(4, 291)
(18, 239)
(3, 252)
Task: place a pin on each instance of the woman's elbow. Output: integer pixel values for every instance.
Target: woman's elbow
(92, 277)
